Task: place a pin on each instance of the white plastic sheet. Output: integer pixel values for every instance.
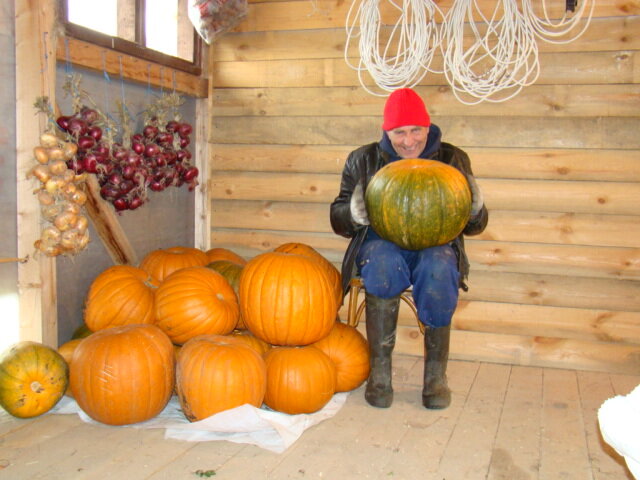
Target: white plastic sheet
(273, 431)
(619, 419)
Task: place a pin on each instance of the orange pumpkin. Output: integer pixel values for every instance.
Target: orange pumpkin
(349, 351)
(328, 267)
(33, 379)
(219, 253)
(286, 299)
(231, 271)
(299, 379)
(66, 350)
(216, 373)
(163, 262)
(123, 375)
(250, 339)
(120, 295)
(195, 301)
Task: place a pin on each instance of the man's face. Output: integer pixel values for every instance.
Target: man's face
(409, 141)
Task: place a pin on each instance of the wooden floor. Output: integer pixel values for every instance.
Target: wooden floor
(505, 422)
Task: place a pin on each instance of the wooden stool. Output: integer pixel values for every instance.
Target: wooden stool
(355, 309)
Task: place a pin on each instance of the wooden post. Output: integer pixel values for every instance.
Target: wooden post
(106, 223)
(202, 213)
(35, 77)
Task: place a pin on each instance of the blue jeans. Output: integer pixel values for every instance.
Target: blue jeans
(387, 270)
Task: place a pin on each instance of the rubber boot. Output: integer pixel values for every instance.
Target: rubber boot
(382, 319)
(436, 393)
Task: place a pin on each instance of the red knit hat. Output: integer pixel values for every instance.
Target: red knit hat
(405, 107)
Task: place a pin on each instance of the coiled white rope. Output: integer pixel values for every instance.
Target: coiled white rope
(549, 30)
(404, 57)
(493, 65)
(489, 65)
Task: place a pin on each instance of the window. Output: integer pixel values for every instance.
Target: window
(154, 30)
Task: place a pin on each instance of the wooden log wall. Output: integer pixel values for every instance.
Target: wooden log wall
(554, 278)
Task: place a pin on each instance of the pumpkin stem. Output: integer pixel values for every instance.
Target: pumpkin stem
(37, 387)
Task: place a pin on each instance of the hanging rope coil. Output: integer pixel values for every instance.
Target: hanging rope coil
(484, 59)
(398, 56)
(551, 31)
(493, 65)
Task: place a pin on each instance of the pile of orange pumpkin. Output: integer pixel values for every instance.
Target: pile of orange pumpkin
(215, 329)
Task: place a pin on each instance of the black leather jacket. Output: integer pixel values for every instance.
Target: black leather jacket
(360, 166)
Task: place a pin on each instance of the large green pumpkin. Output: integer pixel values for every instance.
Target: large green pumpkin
(418, 203)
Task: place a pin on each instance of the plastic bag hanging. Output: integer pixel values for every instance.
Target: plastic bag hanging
(212, 18)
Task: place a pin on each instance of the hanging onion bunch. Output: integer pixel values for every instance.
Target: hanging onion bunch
(126, 168)
(166, 141)
(121, 172)
(61, 197)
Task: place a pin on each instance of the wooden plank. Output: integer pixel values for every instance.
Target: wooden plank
(275, 158)
(203, 456)
(507, 226)
(292, 187)
(529, 351)
(478, 422)
(619, 198)
(202, 212)
(27, 449)
(603, 34)
(139, 451)
(594, 389)
(9, 423)
(563, 449)
(601, 262)
(546, 321)
(543, 100)
(270, 216)
(569, 228)
(560, 196)
(35, 77)
(553, 290)
(527, 163)
(547, 352)
(296, 15)
(581, 68)
(425, 439)
(516, 451)
(526, 132)
(101, 59)
(106, 223)
(373, 451)
(557, 164)
(624, 384)
(255, 461)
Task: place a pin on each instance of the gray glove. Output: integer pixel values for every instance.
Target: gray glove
(477, 200)
(358, 207)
